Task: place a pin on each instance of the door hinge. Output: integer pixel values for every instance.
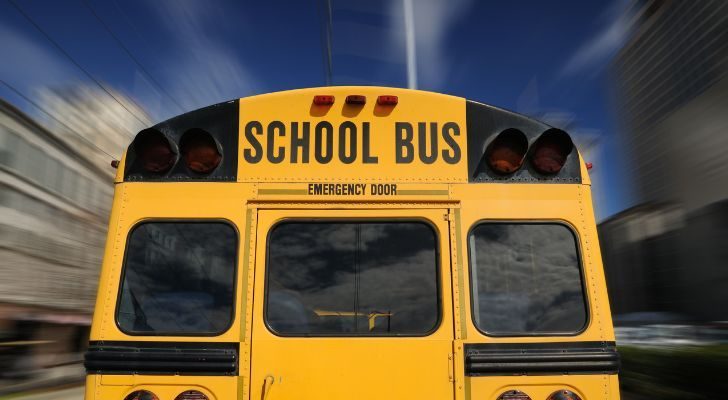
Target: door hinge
(451, 367)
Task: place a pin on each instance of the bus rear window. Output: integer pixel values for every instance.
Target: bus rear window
(178, 279)
(352, 279)
(526, 279)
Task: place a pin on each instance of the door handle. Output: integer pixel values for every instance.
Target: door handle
(267, 383)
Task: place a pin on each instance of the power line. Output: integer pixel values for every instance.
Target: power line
(58, 46)
(131, 56)
(39, 107)
(325, 14)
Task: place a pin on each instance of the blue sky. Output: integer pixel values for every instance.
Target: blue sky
(530, 56)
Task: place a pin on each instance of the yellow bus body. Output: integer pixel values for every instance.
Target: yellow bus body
(263, 194)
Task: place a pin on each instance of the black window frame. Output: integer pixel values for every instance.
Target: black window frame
(582, 277)
(122, 275)
(438, 275)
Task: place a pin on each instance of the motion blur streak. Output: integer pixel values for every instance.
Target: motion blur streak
(662, 176)
(55, 194)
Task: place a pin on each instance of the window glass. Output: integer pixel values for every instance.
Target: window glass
(348, 278)
(178, 278)
(527, 279)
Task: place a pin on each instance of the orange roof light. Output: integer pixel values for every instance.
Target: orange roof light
(387, 100)
(323, 100)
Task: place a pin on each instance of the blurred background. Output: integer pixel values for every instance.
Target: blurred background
(642, 85)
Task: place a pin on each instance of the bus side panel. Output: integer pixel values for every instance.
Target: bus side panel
(101, 387)
(112, 257)
(566, 204)
(136, 202)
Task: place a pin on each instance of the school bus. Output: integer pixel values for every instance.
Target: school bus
(352, 243)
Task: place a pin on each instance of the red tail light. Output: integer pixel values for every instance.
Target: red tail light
(356, 99)
(154, 151)
(513, 395)
(505, 153)
(141, 395)
(322, 100)
(191, 395)
(387, 100)
(200, 151)
(563, 395)
(550, 151)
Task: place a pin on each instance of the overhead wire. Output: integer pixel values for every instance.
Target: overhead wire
(70, 58)
(42, 109)
(130, 55)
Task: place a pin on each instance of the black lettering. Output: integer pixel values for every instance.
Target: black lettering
(343, 128)
(422, 136)
(451, 157)
(318, 189)
(301, 142)
(403, 143)
(324, 156)
(256, 154)
(310, 189)
(272, 127)
(367, 158)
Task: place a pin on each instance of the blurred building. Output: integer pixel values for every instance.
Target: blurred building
(55, 196)
(672, 96)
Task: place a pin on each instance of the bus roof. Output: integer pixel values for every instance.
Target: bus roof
(352, 134)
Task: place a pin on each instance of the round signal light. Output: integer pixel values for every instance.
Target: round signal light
(191, 395)
(514, 395)
(563, 395)
(200, 151)
(506, 152)
(550, 151)
(141, 395)
(154, 151)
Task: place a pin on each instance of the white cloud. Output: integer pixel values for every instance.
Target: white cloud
(202, 70)
(598, 49)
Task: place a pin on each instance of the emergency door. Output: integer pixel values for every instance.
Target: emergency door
(352, 304)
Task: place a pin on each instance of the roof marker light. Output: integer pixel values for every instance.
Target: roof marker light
(323, 100)
(387, 100)
(356, 99)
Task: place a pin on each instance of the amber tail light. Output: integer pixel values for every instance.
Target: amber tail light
(200, 151)
(154, 151)
(506, 152)
(549, 152)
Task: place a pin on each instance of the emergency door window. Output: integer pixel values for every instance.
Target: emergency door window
(178, 279)
(352, 279)
(526, 279)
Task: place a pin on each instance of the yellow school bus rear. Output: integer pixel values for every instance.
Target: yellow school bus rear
(352, 243)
